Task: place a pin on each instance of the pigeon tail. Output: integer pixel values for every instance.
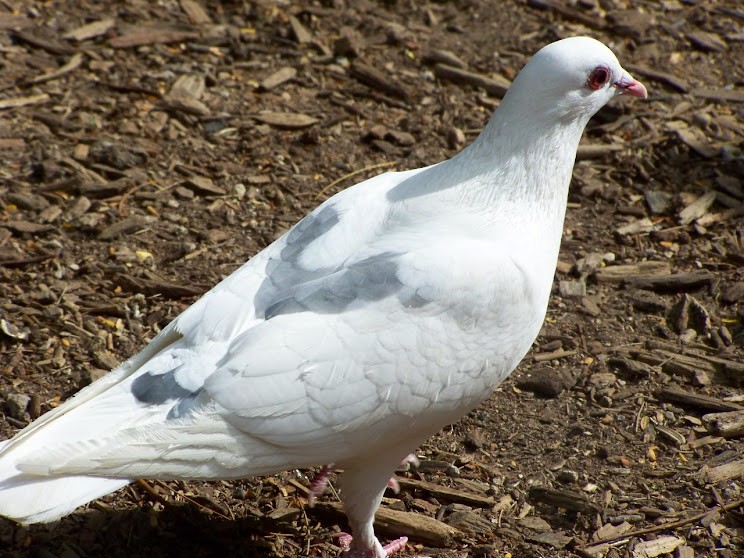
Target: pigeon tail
(41, 500)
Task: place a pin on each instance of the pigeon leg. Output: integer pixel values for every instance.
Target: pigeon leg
(362, 486)
(389, 549)
(320, 480)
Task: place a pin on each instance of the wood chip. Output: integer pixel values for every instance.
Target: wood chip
(729, 424)
(12, 21)
(674, 282)
(722, 95)
(300, 32)
(12, 143)
(626, 272)
(185, 104)
(91, 30)
(289, 120)
(71, 65)
(420, 528)
(22, 227)
(495, 86)
(152, 34)
(188, 85)
(17, 102)
(125, 226)
(195, 12)
(707, 41)
(204, 185)
(657, 547)
(553, 539)
(696, 400)
(445, 493)
(694, 139)
(610, 531)
(469, 521)
(151, 287)
(376, 79)
(566, 499)
(697, 209)
(587, 151)
(725, 472)
(279, 77)
(43, 43)
(569, 12)
(637, 226)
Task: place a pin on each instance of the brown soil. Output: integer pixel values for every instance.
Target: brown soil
(140, 167)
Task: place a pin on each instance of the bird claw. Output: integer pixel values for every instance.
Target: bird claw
(318, 483)
(344, 540)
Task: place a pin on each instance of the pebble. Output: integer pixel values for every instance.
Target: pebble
(16, 404)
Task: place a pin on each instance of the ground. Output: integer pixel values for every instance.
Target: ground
(150, 148)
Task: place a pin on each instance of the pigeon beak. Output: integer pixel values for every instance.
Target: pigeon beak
(626, 84)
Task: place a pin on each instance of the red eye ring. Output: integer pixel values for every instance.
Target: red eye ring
(598, 78)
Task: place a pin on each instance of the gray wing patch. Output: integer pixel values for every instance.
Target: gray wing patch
(285, 271)
(291, 287)
(156, 389)
(161, 388)
(360, 283)
(308, 229)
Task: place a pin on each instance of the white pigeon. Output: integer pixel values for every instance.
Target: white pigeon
(387, 313)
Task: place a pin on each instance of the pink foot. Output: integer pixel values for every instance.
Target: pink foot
(392, 483)
(319, 483)
(344, 540)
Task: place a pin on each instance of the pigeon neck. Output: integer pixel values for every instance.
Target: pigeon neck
(521, 159)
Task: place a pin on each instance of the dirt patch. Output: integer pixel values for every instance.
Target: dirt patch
(150, 148)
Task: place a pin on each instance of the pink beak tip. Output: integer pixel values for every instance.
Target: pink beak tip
(632, 87)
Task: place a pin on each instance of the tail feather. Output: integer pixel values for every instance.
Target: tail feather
(93, 412)
(41, 500)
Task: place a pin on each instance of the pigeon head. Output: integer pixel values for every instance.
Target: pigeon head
(571, 79)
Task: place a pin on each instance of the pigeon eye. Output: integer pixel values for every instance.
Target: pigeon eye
(599, 76)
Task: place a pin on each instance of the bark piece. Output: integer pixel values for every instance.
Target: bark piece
(469, 521)
(729, 424)
(657, 547)
(445, 493)
(125, 226)
(707, 41)
(195, 12)
(302, 35)
(17, 102)
(374, 78)
(152, 34)
(278, 78)
(565, 499)
(26, 227)
(43, 43)
(673, 283)
(720, 95)
(152, 287)
(204, 185)
(697, 209)
(696, 400)
(289, 120)
(626, 272)
(727, 471)
(547, 382)
(688, 313)
(91, 30)
(418, 527)
(496, 86)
